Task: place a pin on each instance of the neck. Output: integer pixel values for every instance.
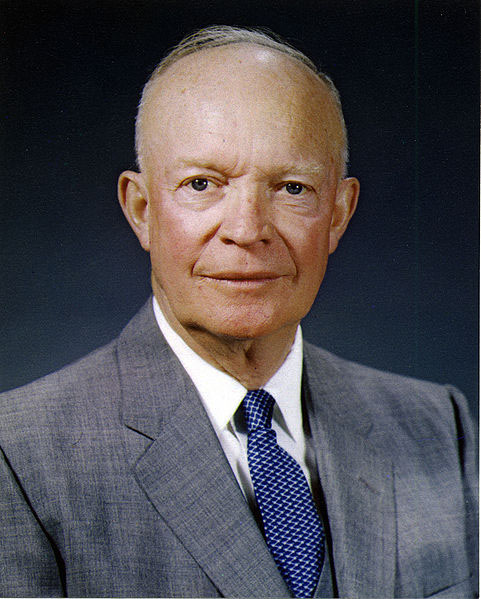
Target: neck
(252, 362)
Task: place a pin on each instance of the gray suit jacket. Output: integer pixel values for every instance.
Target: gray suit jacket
(114, 484)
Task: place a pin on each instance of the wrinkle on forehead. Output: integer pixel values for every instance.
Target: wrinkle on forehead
(218, 80)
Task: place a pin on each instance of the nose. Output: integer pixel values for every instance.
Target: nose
(246, 219)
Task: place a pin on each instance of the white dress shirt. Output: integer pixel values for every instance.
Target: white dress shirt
(222, 395)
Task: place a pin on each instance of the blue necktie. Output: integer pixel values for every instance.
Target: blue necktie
(292, 527)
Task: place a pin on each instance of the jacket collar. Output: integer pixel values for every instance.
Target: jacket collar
(184, 472)
(194, 490)
(356, 480)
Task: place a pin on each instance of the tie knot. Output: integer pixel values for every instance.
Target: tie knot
(258, 407)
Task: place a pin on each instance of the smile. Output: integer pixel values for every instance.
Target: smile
(243, 280)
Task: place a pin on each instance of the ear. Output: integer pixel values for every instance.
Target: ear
(134, 201)
(344, 207)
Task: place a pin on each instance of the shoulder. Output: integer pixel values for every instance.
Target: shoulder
(86, 398)
(368, 380)
(85, 389)
(386, 401)
(57, 401)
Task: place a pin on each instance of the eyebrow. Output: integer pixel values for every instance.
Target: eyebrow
(199, 163)
(303, 169)
(281, 169)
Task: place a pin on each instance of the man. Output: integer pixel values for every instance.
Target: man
(208, 451)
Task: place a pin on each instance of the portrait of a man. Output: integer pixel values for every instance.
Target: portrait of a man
(209, 449)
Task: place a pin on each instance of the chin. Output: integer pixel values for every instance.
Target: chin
(248, 325)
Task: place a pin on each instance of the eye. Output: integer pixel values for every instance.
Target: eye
(294, 188)
(199, 184)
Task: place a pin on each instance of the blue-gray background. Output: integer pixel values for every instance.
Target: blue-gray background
(401, 291)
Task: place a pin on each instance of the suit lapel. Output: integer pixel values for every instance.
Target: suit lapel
(357, 482)
(194, 490)
(184, 472)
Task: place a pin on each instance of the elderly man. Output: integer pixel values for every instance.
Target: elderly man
(208, 451)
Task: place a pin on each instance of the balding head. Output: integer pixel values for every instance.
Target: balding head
(220, 52)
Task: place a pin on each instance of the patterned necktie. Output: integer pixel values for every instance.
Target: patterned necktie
(292, 527)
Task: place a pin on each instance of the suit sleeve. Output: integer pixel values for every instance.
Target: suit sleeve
(30, 566)
(468, 452)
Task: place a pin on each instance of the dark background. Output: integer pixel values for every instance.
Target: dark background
(401, 291)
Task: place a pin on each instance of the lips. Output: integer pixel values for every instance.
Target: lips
(242, 281)
(242, 276)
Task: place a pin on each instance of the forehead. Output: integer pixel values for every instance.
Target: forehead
(239, 61)
(238, 70)
(247, 88)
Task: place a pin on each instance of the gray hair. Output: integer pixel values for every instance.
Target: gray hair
(223, 35)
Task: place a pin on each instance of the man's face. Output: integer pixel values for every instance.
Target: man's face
(240, 189)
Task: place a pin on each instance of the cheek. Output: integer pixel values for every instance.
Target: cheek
(174, 241)
(310, 246)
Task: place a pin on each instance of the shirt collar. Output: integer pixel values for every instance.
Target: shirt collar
(221, 394)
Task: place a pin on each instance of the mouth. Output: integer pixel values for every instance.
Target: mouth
(231, 275)
(243, 279)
